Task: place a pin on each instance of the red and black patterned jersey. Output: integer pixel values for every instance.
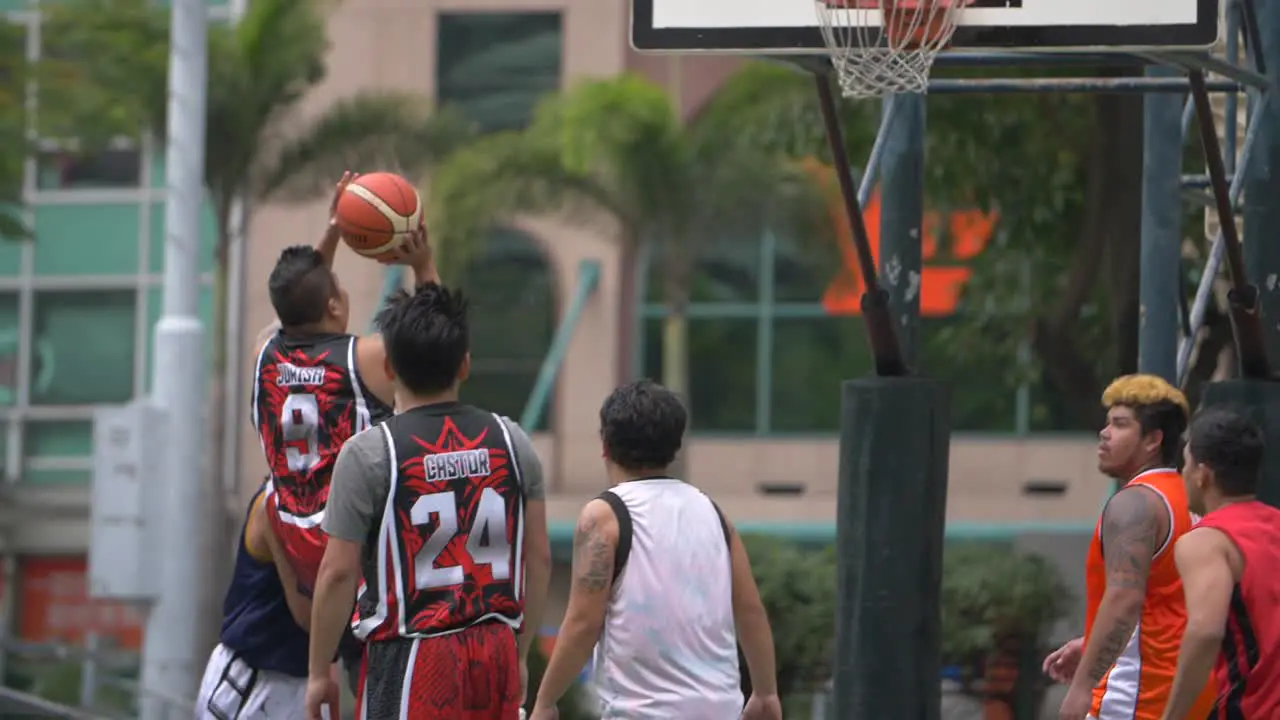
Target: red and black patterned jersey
(449, 552)
(308, 400)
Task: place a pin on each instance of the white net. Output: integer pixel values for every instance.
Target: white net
(886, 47)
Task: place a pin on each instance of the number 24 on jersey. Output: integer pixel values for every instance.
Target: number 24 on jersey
(486, 538)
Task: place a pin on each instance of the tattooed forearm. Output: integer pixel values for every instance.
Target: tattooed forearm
(592, 557)
(1113, 643)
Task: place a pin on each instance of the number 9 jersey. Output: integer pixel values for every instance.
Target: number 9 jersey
(449, 551)
(308, 399)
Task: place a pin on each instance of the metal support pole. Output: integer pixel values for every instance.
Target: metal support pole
(902, 218)
(1262, 185)
(875, 301)
(951, 86)
(1204, 292)
(89, 670)
(1242, 299)
(1161, 231)
(171, 662)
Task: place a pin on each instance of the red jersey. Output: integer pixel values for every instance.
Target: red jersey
(1248, 668)
(308, 400)
(449, 552)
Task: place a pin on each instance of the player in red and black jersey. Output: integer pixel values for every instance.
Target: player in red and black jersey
(315, 386)
(442, 510)
(1230, 568)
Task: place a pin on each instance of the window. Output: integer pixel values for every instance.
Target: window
(771, 359)
(722, 371)
(84, 347)
(58, 452)
(88, 239)
(58, 169)
(513, 317)
(496, 66)
(9, 348)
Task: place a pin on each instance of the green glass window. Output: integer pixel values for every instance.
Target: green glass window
(66, 170)
(722, 371)
(88, 239)
(83, 348)
(513, 317)
(9, 348)
(58, 452)
(496, 66)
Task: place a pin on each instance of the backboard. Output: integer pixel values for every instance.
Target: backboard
(774, 27)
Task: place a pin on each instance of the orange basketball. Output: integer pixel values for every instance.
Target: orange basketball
(377, 211)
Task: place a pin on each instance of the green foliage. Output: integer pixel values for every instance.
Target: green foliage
(798, 587)
(59, 682)
(615, 151)
(990, 593)
(13, 126)
(112, 57)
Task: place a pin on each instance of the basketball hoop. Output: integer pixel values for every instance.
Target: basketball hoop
(886, 47)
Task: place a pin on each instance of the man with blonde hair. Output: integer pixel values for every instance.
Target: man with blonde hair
(1123, 667)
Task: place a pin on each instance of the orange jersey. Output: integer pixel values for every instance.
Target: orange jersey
(1137, 687)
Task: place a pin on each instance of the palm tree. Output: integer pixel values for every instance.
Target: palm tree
(110, 58)
(13, 126)
(616, 152)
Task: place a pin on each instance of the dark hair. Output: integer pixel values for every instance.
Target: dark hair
(642, 425)
(426, 336)
(1170, 419)
(1231, 445)
(300, 286)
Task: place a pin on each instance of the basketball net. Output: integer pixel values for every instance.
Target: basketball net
(886, 47)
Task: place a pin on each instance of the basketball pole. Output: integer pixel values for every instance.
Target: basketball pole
(894, 446)
(1262, 179)
(171, 660)
(1161, 235)
(902, 217)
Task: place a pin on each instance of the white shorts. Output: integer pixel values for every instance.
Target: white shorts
(231, 690)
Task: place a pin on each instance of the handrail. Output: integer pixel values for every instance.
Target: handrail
(540, 396)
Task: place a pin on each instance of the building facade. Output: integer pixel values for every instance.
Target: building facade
(770, 338)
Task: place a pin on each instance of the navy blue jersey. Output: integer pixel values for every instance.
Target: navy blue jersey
(256, 622)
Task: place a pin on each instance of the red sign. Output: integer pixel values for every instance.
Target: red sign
(53, 604)
(942, 279)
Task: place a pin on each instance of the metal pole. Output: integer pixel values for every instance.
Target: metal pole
(1262, 186)
(1205, 289)
(876, 315)
(171, 661)
(902, 218)
(1161, 231)
(1242, 299)
(89, 671)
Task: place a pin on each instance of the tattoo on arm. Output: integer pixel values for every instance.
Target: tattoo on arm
(1131, 534)
(592, 557)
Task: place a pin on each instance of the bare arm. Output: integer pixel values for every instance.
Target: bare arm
(1207, 581)
(594, 545)
(751, 620)
(355, 496)
(1133, 526)
(260, 535)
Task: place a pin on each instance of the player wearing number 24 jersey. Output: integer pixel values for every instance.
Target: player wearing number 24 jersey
(441, 512)
(315, 387)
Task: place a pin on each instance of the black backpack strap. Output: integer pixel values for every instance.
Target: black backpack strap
(724, 525)
(620, 511)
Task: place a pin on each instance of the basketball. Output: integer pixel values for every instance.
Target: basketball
(376, 212)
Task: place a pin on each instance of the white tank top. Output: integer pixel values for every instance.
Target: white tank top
(669, 647)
